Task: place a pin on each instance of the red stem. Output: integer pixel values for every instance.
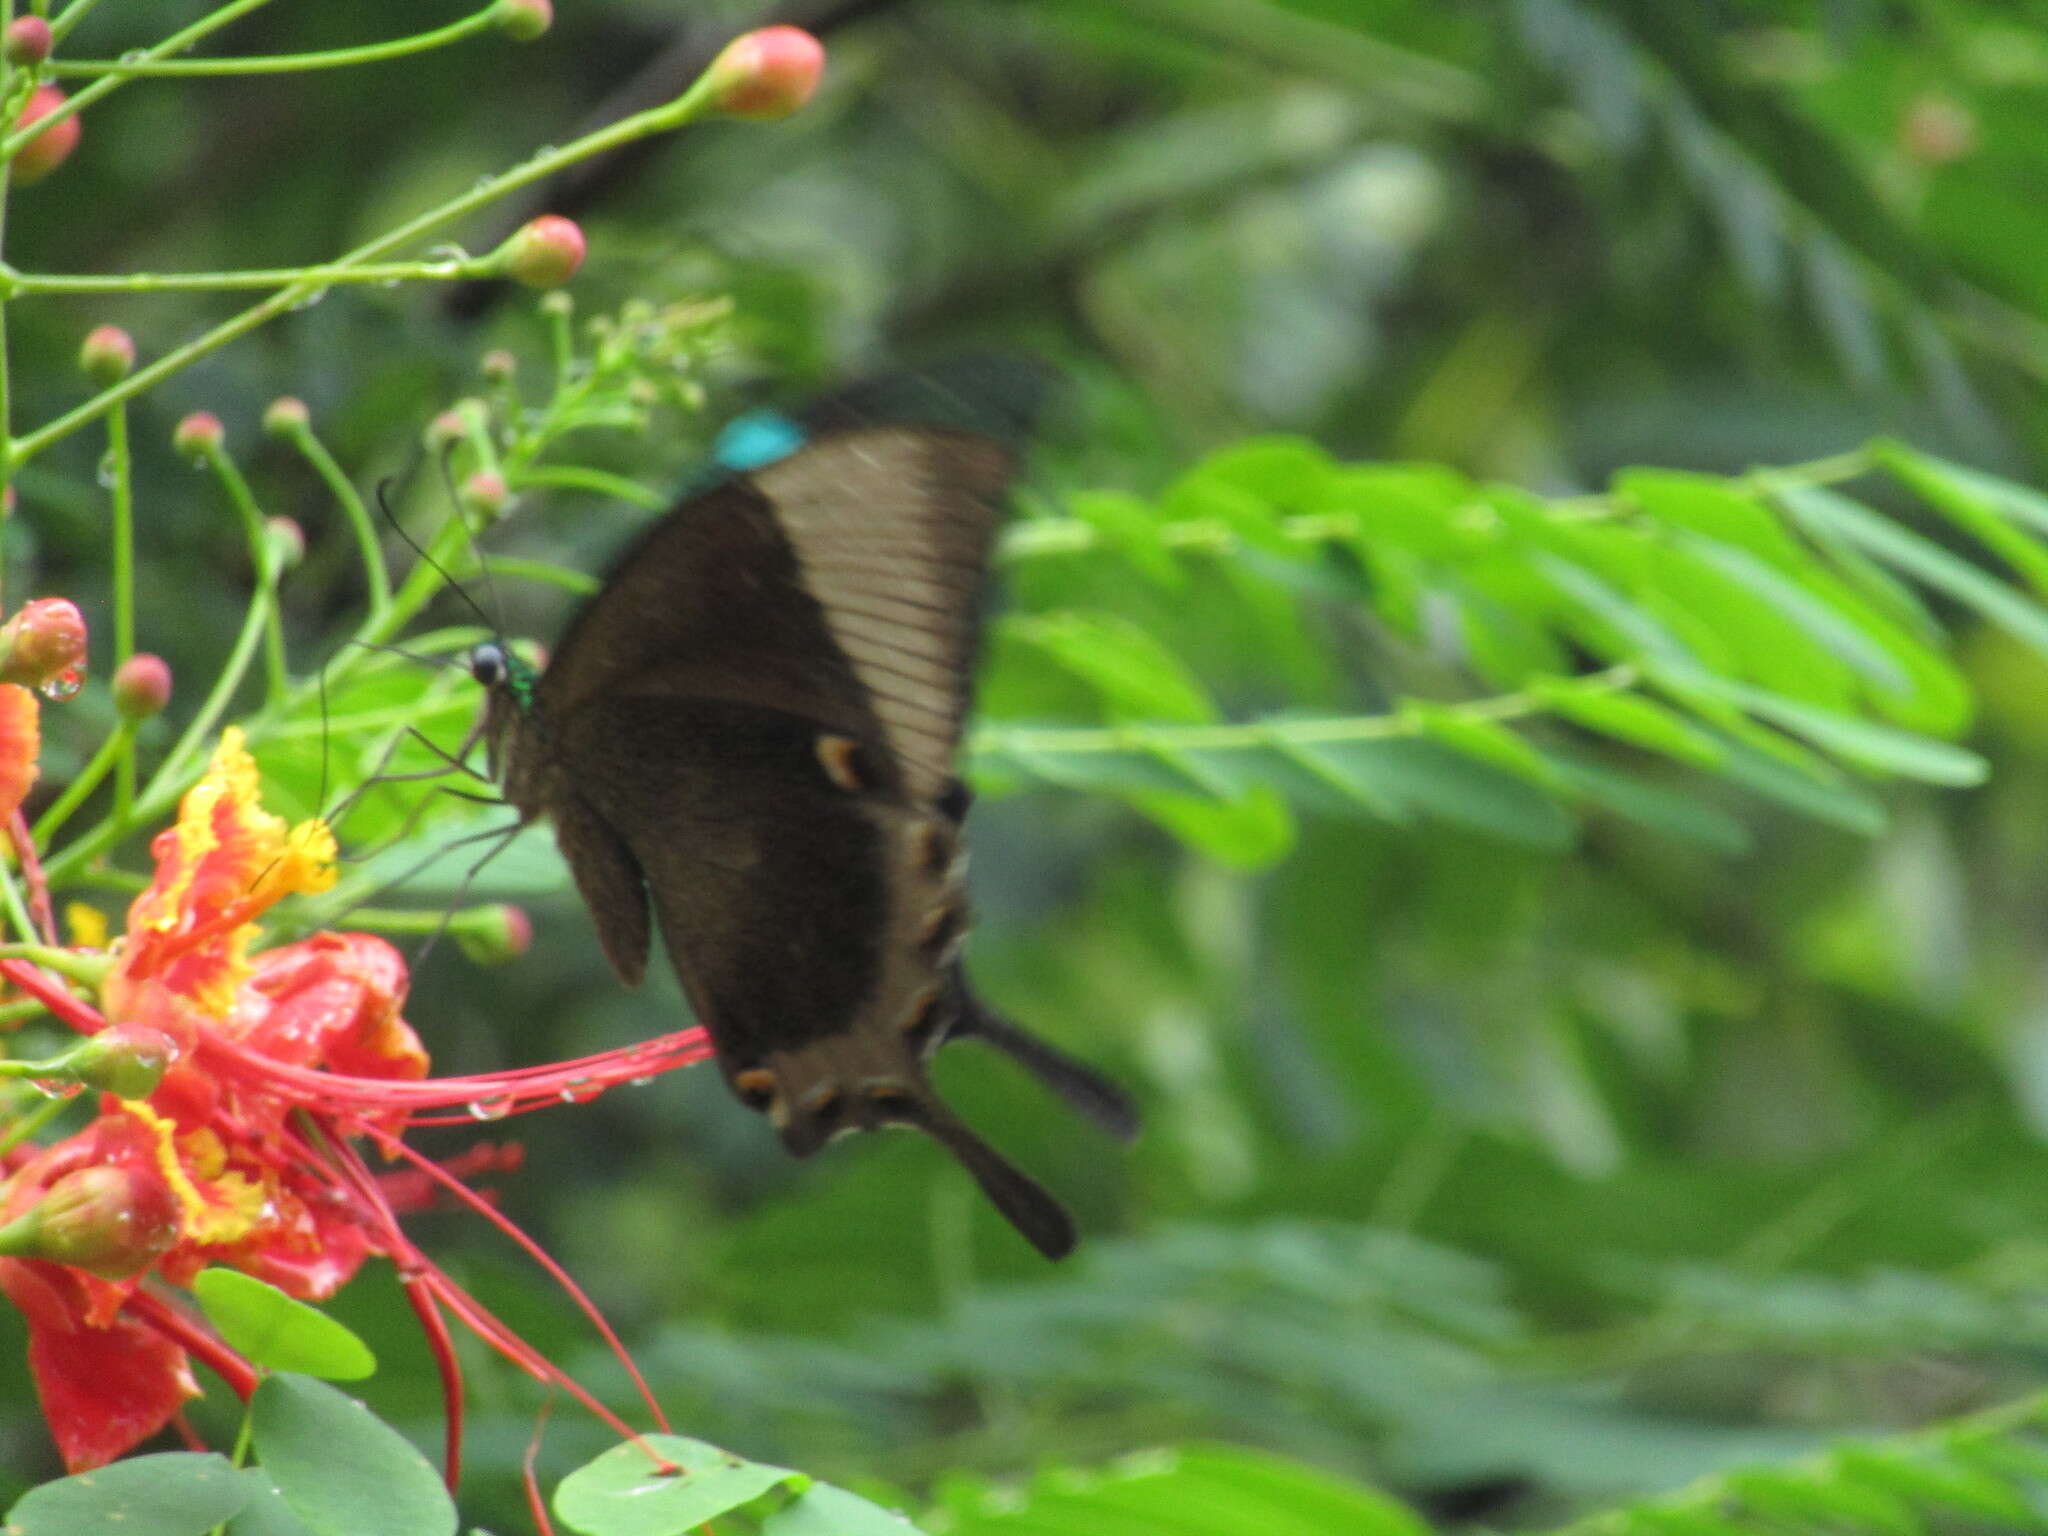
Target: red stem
(421, 1298)
(53, 995)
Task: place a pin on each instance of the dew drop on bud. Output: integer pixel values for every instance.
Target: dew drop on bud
(65, 685)
(56, 1087)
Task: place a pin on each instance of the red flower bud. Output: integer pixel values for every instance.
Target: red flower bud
(48, 149)
(198, 436)
(107, 353)
(142, 686)
(113, 1221)
(286, 416)
(485, 492)
(447, 429)
(27, 42)
(497, 365)
(42, 642)
(544, 253)
(524, 20)
(494, 934)
(767, 74)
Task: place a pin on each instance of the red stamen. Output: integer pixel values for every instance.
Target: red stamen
(442, 1347)
(53, 995)
(196, 1339)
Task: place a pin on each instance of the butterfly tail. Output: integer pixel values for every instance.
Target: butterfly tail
(1086, 1090)
(1024, 1202)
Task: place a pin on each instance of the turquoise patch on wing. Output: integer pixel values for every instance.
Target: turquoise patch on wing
(758, 438)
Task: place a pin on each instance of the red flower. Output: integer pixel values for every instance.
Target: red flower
(255, 1073)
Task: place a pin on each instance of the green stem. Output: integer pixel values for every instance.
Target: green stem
(335, 58)
(449, 269)
(344, 491)
(17, 909)
(28, 1124)
(70, 17)
(117, 750)
(267, 568)
(575, 477)
(177, 42)
(686, 108)
(1260, 734)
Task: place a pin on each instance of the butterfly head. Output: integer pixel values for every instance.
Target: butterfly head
(508, 683)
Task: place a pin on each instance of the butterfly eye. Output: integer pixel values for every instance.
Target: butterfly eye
(487, 664)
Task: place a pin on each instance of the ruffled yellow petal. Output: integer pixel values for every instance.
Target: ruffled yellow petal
(216, 1206)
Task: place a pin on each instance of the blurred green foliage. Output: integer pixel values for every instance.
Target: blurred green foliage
(1539, 1121)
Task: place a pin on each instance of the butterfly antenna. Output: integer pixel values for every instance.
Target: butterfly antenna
(447, 459)
(504, 836)
(384, 505)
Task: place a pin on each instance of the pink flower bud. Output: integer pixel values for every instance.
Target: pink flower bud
(544, 253)
(485, 492)
(286, 416)
(42, 642)
(447, 429)
(498, 365)
(1937, 130)
(198, 436)
(113, 1220)
(27, 42)
(766, 74)
(524, 20)
(287, 541)
(48, 149)
(142, 686)
(495, 934)
(106, 354)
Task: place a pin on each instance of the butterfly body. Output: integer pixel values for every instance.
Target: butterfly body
(747, 741)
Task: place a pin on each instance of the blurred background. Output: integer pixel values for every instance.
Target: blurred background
(1517, 1169)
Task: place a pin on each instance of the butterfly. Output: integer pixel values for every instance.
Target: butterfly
(748, 740)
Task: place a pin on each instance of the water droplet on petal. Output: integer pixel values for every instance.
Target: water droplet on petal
(489, 1109)
(65, 685)
(56, 1087)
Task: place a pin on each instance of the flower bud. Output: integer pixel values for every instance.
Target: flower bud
(1937, 130)
(485, 493)
(287, 541)
(524, 20)
(27, 42)
(198, 436)
(106, 354)
(448, 428)
(497, 366)
(127, 1060)
(495, 934)
(113, 1220)
(557, 304)
(286, 416)
(142, 686)
(48, 149)
(44, 640)
(544, 253)
(766, 74)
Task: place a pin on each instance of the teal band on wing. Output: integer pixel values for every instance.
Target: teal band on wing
(757, 438)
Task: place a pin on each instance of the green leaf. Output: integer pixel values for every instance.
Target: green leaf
(1293, 472)
(266, 1513)
(1475, 736)
(1798, 1497)
(1128, 525)
(1837, 804)
(1641, 634)
(1210, 1490)
(1838, 634)
(1941, 1484)
(1135, 676)
(1833, 513)
(177, 1493)
(1712, 508)
(1628, 717)
(1249, 832)
(1964, 500)
(273, 1330)
(1863, 741)
(341, 1470)
(823, 1510)
(1651, 805)
(623, 1493)
(1425, 777)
